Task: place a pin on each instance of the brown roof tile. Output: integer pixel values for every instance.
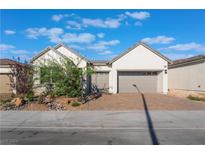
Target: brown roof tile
(8, 62)
(198, 57)
(187, 61)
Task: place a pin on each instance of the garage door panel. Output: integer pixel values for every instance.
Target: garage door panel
(130, 82)
(5, 84)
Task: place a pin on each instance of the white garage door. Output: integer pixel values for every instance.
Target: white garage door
(131, 82)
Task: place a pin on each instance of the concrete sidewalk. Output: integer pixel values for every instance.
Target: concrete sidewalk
(102, 127)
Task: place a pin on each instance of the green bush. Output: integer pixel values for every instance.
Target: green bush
(75, 104)
(6, 104)
(196, 98)
(65, 76)
(30, 96)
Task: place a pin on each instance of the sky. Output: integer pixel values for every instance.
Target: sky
(102, 34)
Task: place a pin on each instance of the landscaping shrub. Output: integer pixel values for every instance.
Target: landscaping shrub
(30, 96)
(64, 76)
(6, 104)
(196, 98)
(21, 77)
(75, 104)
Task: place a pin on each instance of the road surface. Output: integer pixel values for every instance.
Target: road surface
(102, 127)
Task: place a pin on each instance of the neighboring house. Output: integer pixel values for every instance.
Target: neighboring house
(139, 68)
(5, 70)
(188, 74)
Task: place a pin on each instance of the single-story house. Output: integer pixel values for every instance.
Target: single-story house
(140, 68)
(5, 84)
(187, 74)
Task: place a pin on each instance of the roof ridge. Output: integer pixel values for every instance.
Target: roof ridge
(72, 50)
(40, 53)
(146, 46)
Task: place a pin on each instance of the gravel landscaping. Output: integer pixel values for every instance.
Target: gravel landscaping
(118, 102)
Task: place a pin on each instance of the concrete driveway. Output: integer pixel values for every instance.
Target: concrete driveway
(103, 127)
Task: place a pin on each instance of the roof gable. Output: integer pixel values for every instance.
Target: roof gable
(71, 50)
(45, 51)
(55, 49)
(144, 45)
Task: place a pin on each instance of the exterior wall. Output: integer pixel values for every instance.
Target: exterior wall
(139, 59)
(5, 70)
(49, 55)
(191, 77)
(5, 84)
(159, 82)
(165, 82)
(52, 55)
(76, 59)
(102, 68)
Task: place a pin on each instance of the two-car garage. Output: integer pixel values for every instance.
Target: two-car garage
(129, 81)
(137, 81)
(139, 69)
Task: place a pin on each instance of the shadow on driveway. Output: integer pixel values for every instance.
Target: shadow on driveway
(149, 119)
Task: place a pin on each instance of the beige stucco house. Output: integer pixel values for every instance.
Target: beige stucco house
(5, 84)
(187, 74)
(140, 68)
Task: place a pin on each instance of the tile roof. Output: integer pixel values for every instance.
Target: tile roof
(187, 61)
(99, 62)
(198, 57)
(8, 62)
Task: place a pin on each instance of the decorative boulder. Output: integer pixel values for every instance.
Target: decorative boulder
(47, 99)
(66, 100)
(19, 102)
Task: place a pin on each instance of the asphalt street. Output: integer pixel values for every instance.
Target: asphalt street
(102, 127)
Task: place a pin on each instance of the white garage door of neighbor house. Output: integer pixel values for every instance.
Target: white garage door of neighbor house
(131, 82)
(101, 80)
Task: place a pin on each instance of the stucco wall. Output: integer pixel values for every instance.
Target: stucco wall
(49, 55)
(76, 59)
(190, 77)
(140, 58)
(102, 68)
(52, 55)
(4, 71)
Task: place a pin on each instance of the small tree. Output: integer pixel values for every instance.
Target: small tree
(21, 78)
(65, 76)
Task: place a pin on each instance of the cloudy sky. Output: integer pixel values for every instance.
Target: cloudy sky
(102, 34)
